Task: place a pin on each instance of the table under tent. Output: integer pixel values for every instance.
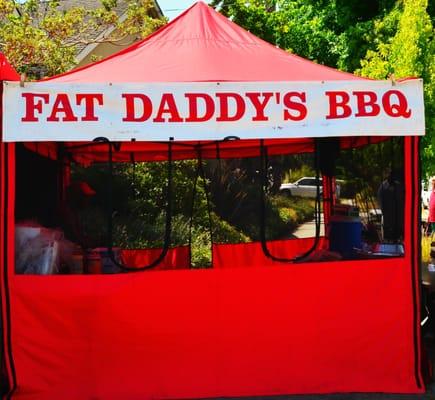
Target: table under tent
(268, 316)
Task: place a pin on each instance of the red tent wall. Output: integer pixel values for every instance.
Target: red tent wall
(349, 326)
(6, 232)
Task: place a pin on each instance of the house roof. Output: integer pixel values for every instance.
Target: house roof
(202, 45)
(120, 9)
(120, 5)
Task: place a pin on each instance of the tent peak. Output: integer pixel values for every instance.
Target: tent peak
(202, 45)
(202, 22)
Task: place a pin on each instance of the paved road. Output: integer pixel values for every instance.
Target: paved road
(308, 229)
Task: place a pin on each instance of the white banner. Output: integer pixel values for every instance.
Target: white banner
(211, 110)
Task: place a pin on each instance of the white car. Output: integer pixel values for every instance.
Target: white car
(303, 187)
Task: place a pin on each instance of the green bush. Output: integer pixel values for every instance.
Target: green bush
(139, 205)
(292, 212)
(294, 174)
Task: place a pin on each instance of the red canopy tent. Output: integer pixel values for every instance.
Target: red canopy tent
(219, 331)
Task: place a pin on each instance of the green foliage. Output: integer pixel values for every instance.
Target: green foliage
(295, 27)
(405, 47)
(292, 212)
(41, 38)
(294, 174)
(201, 249)
(403, 42)
(376, 38)
(139, 204)
(334, 33)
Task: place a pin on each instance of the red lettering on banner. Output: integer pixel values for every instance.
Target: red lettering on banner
(193, 107)
(90, 99)
(32, 106)
(130, 109)
(366, 104)
(168, 106)
(62, 105)
(400, 109)
(299, 107)
(338, 100)
(259, 105)
(224, 109)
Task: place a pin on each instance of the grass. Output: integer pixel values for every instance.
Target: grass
(425, 248)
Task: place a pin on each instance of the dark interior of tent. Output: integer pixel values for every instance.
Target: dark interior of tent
(112, 207)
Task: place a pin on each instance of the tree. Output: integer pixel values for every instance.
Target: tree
(373, 38)
(334, 33)
(39, 35)
(409, 52)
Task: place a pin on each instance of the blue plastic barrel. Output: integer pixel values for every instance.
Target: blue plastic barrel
(344, 234)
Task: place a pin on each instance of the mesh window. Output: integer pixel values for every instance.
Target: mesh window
(372, 179)
(353, 197)
(236, 194)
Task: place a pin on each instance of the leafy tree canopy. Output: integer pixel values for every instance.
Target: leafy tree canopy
(335, 33)
(408, 52)
(373, 38)
(41, 36)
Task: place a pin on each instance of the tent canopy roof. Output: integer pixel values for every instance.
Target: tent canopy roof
(202, 45)
(7, 73)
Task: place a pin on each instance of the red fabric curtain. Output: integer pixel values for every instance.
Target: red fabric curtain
(306, 328)
(245, 255)
(176, 258)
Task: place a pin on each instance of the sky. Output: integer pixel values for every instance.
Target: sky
(172, 8)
